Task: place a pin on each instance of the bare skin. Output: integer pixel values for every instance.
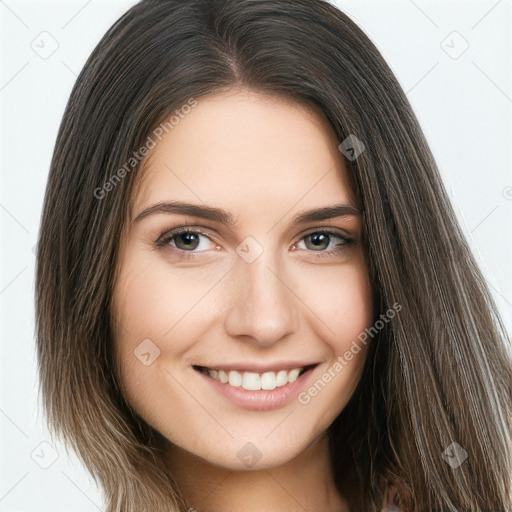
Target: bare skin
(302, 300)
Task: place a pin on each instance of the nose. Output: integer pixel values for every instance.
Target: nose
(263, 306)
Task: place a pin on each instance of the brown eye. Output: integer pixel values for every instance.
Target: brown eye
(187, 240)
(326, 243)
(319, 241)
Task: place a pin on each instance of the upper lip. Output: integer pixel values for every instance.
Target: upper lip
(259, 368)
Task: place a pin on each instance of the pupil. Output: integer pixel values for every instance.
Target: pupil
(319, 238)
(188, 238)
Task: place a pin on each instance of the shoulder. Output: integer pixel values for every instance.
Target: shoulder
(391, 502)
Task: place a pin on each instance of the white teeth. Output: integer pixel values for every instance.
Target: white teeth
(268, 380)
(235, 379)
(252, 381)
(293, 374)
(281, 378)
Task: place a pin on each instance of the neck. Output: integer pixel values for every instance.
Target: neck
(304, 483)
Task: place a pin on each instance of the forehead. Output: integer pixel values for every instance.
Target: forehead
(246, 149)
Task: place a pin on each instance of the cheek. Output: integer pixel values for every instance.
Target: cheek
(160, 312)
(145, 308)
(354, 315)
(154, 301)
(342, 301)
(344, 310)
(353, 312)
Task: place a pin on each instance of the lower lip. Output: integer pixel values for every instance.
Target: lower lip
(260, 400)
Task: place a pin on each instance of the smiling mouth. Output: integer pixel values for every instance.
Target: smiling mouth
(253, 381)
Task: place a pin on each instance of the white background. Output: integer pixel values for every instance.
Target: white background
(464, 105)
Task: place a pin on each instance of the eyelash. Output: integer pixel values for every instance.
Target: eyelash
(164, 239)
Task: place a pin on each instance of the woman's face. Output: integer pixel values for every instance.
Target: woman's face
(249, 292)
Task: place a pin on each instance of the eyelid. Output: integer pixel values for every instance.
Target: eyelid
(184, 227)
(165, 237)
(328, 229)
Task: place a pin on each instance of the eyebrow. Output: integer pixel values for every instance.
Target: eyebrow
(225, 217)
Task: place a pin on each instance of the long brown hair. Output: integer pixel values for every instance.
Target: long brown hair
(437, 374)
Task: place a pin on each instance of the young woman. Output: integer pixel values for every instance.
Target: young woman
(252, 292)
